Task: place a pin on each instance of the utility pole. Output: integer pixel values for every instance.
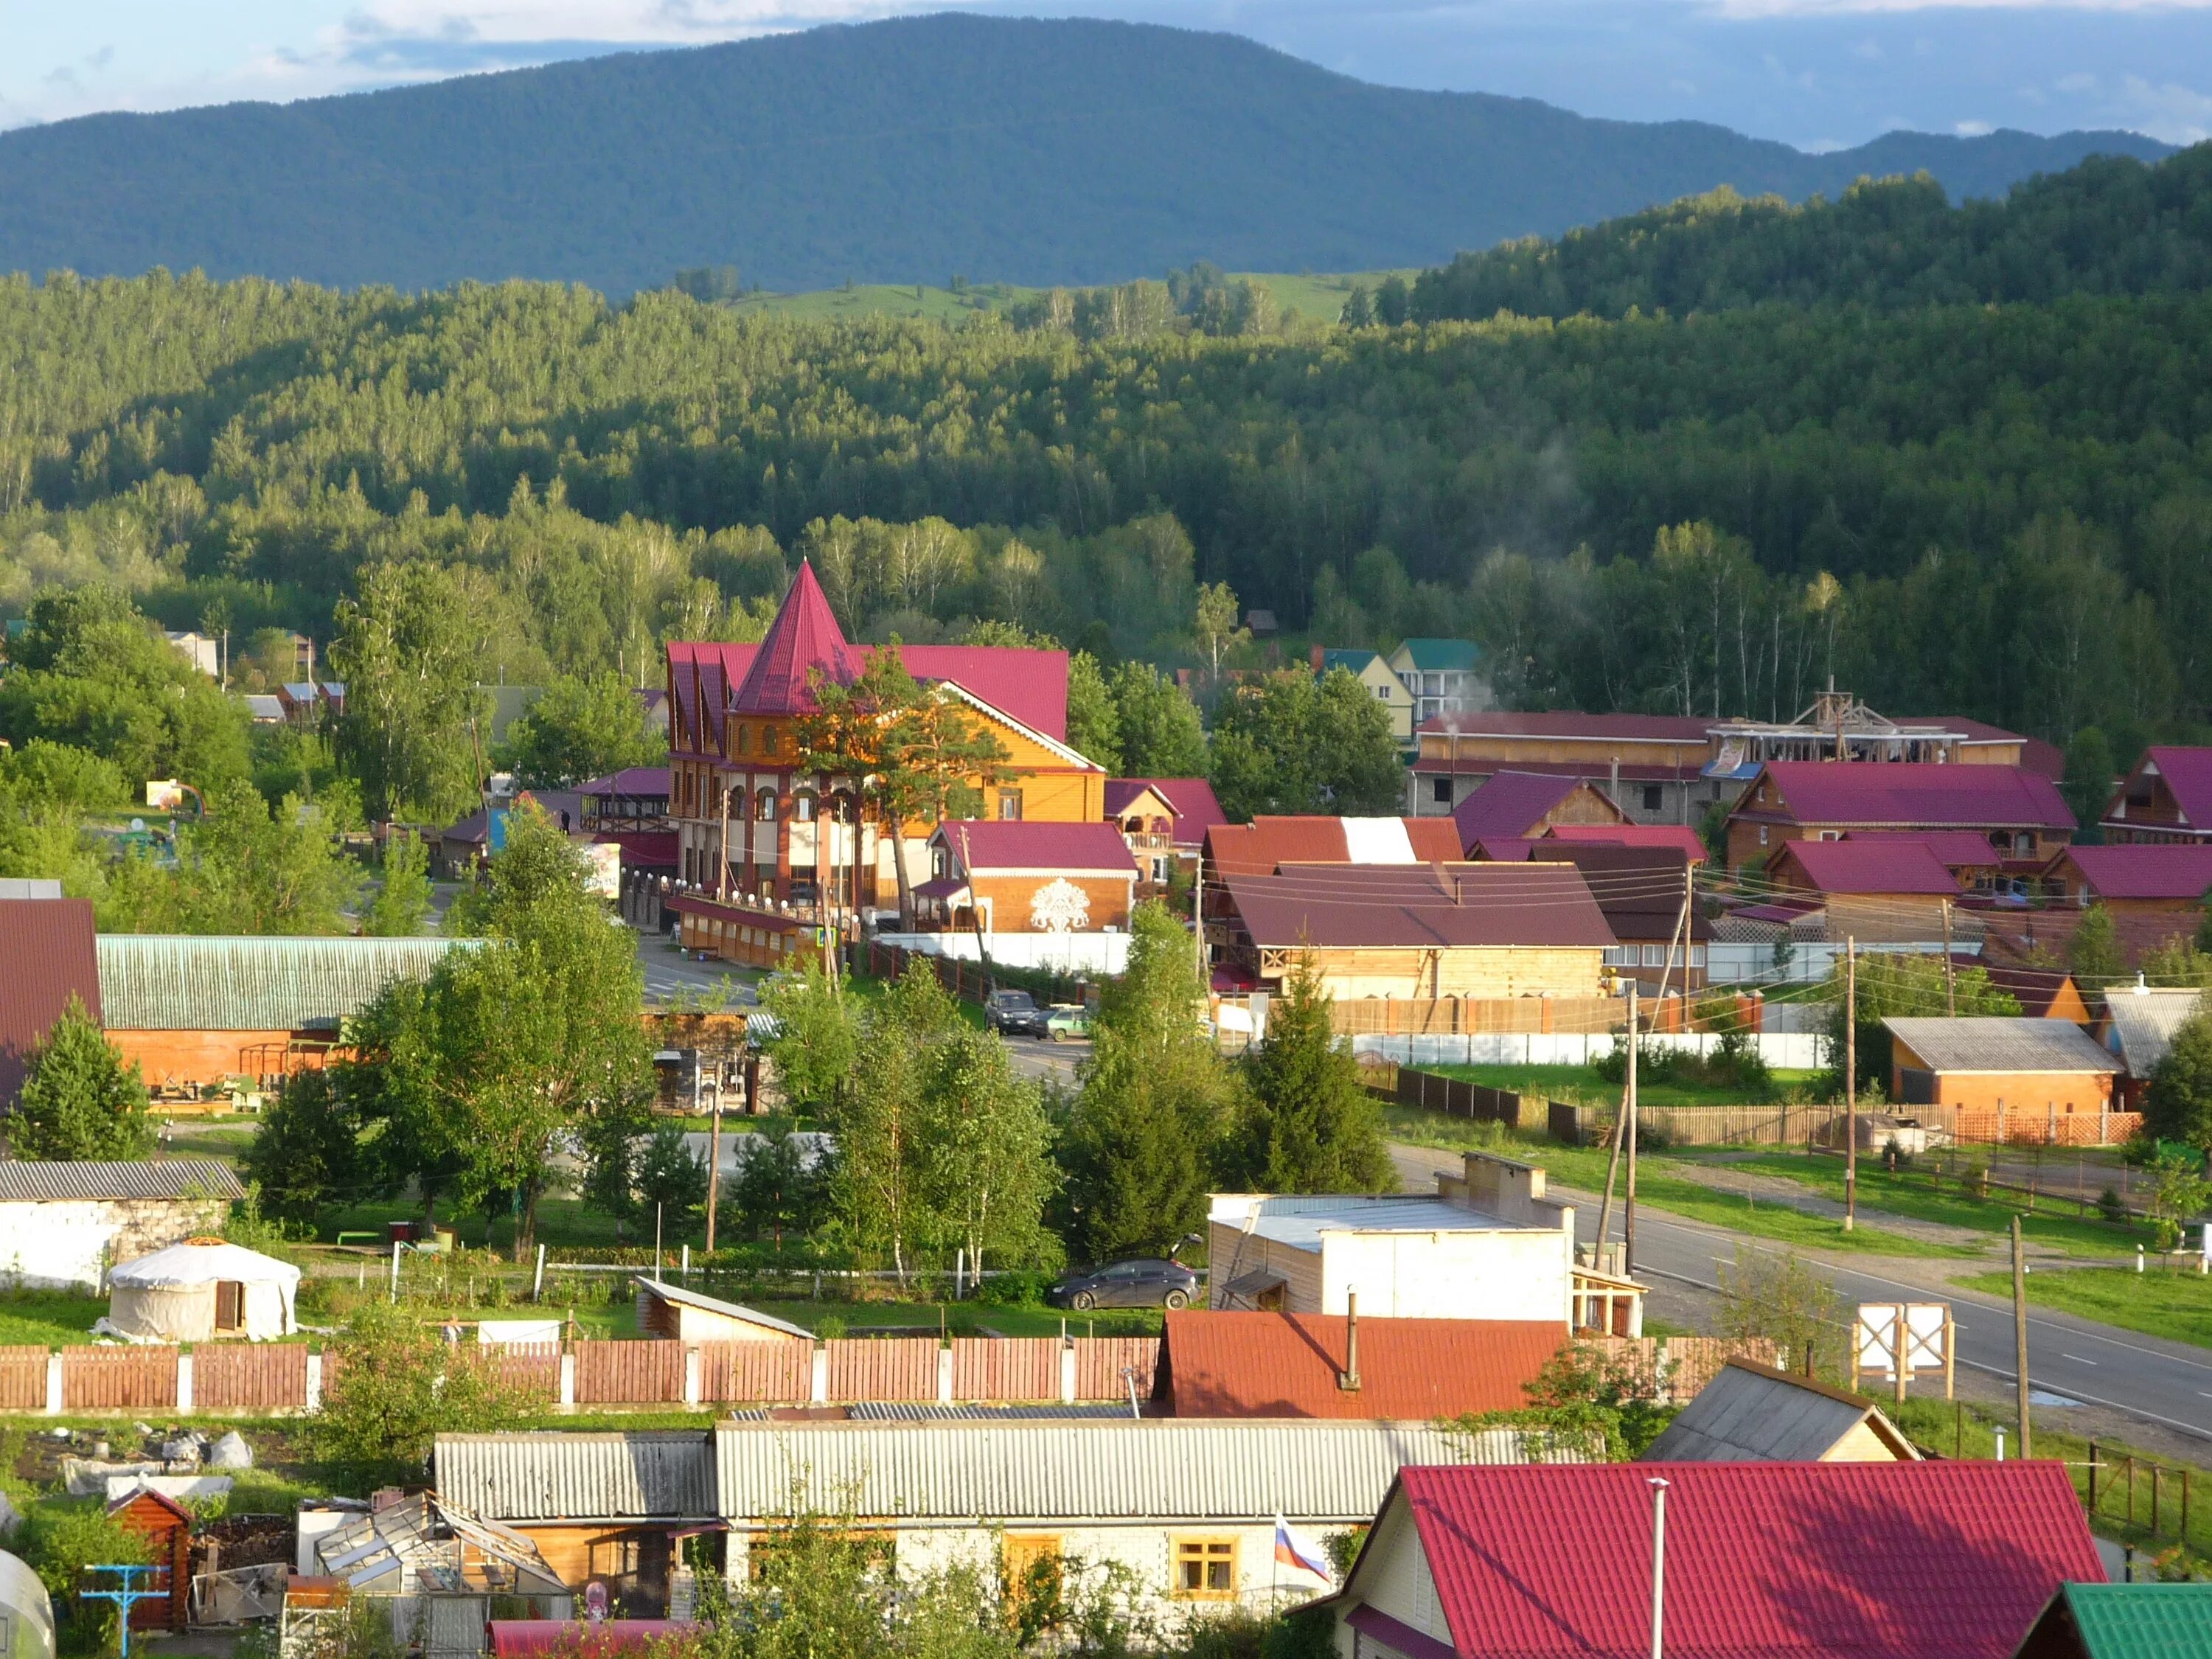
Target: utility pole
(722, 847)
(714, 1159)
(1950, 967)
(1850, 1083)
(2019, 1331)
(1628, 1201)
(1198, 921)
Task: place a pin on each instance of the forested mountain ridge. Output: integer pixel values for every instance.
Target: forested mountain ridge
(2112, 225)
(1999, 511)
(1025, 151)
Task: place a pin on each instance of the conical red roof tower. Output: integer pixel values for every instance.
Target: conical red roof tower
(804, 636)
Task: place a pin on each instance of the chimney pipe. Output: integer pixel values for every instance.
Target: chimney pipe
(1348, 1378)
(1315, 658)
(1658, 1567)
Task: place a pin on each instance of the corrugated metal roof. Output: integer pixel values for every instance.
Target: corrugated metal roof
(1994, 1042)
(1751, 1414)
(1216, 1364)
(557, 1476)
(181, 982)
(1510, 804)
(28, 1182)
(1876, 1560)
(2142, 1621)
(2144, 1022)
(677, 1293)
(1156, 1468)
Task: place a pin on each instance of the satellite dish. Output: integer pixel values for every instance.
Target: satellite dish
(137, 826)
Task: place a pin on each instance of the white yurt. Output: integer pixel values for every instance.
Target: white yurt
(201, 1290)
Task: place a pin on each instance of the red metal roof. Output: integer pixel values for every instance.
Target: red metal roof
(1257, 847)
(1959, 850)
(1512, 804)
(630, 781)
(804, 639)
(2188, 774)
(1418, 906)
(1678, 836)
(1902, 865)
(1917, 794)
(1559, 723)
(1876, 1560)
(2180, 871)
(980, 846)
(1192, 800)
(47, 955)
(1274, 1364)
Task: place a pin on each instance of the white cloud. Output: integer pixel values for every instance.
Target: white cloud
(1973, 129)
(2077, 82)
(1762, 9)
(2176, 113)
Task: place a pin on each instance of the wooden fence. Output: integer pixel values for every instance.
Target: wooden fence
(1696, 1125)
(118, 1379)
(23, 1379)
(1451, 1016)
(531, 1368)
(629, 1373)
(882, 1368)
(1018, 1369)
(756, 1373)
(249, 1377)
(1457, 1097)
(1100, 1361)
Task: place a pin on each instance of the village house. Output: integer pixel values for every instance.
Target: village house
(2034, 1068)
(1379, 677)
(1443, 676)
(610, 1509)
(2138, 1621)
(1432, 931)
(1164, 821)
(46, 958)
(1185, 1507)
(2166, 801)
(1754, 1413)
(1521, 806)
(1678, 837)
(1215, 1363)
(2139, 1026)
(2042, 992)
(1073, 883)
(1881, 1560)
(1870, 890)
(2152, 876)
(1489, 1245)
(65, 1224)
(197, 1014)
(2017, 811)
(766, 848)
(1645, 896)
(436, 1571)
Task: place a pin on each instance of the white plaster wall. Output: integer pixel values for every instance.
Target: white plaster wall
(1518, 1274)
(72, 1242)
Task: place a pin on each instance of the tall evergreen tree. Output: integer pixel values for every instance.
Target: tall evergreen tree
(80, 1100)
(1142, 1140)
(1310, 1127)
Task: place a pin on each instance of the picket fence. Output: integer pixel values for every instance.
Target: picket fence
(1789, 1050)
(241, 1378)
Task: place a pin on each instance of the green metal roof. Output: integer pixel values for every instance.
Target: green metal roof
(2142, 1621)
(185, 982)
(1350, 659)
(1436, 656)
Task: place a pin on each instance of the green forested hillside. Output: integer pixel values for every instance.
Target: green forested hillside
(2003, 511)
(2109, 225)
(1014, 150)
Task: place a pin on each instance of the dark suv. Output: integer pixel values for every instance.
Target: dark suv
(1014, 1013)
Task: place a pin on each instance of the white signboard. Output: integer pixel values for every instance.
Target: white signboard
(603, 869)
(1890, 1337)
(499, 1333)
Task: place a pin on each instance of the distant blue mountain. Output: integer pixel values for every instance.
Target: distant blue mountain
(1008, 150)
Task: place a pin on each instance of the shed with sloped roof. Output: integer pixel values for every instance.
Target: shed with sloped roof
(2035, 1066)
(64, 1224)
(1751, 1412)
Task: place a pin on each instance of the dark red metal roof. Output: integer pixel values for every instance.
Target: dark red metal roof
(1902, 865)
(804, 638)
(47, 955)
(1196, 809)
(1634, 728)
(1222, 1364)
(1680, 836)
(1512, 803)
(1876, 1560)
(1418, 906)
(1915, 795)
(982, 845)
(2180, 871)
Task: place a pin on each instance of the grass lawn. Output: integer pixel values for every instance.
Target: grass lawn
(1581, 1085)
(1658, 1185)
(2174, 1305)
(52, 1319)
(560, 1221)
(1911, 1194)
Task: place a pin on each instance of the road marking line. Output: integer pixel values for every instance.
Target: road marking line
(2077, 1360)
(2092, 1399)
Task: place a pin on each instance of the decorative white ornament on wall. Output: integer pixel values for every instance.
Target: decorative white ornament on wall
(1060, 906)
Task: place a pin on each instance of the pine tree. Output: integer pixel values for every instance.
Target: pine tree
(1311, 1126)
(79, 1101)
(402, 904)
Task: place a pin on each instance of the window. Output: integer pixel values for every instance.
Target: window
(802, 807)
(1443, 787)
(1010, 806)
(765, 808)
(1620, 956)
(1697, 956)
(1655, 955)
(1652, 797)
(1762, 835)
(1204, 1570)
(744, 739)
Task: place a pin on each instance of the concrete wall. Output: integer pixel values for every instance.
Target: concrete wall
(72, 1242)
(1516, 1274)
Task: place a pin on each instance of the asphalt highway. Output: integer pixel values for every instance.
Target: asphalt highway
(2075, 1359)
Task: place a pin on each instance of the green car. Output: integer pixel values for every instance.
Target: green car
(1064, 1020)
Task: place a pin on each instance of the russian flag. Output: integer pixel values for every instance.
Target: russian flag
(1301, 1553)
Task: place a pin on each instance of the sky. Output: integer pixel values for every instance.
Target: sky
(1818, 74)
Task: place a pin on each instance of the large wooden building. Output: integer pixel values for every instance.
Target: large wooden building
(2016, 810)
(765, 847)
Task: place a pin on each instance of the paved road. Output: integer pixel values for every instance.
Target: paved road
(2074, 1359)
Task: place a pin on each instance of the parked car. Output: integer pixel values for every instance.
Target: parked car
(1067, 1020)
(1148, 1282)
(1014, 1013)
